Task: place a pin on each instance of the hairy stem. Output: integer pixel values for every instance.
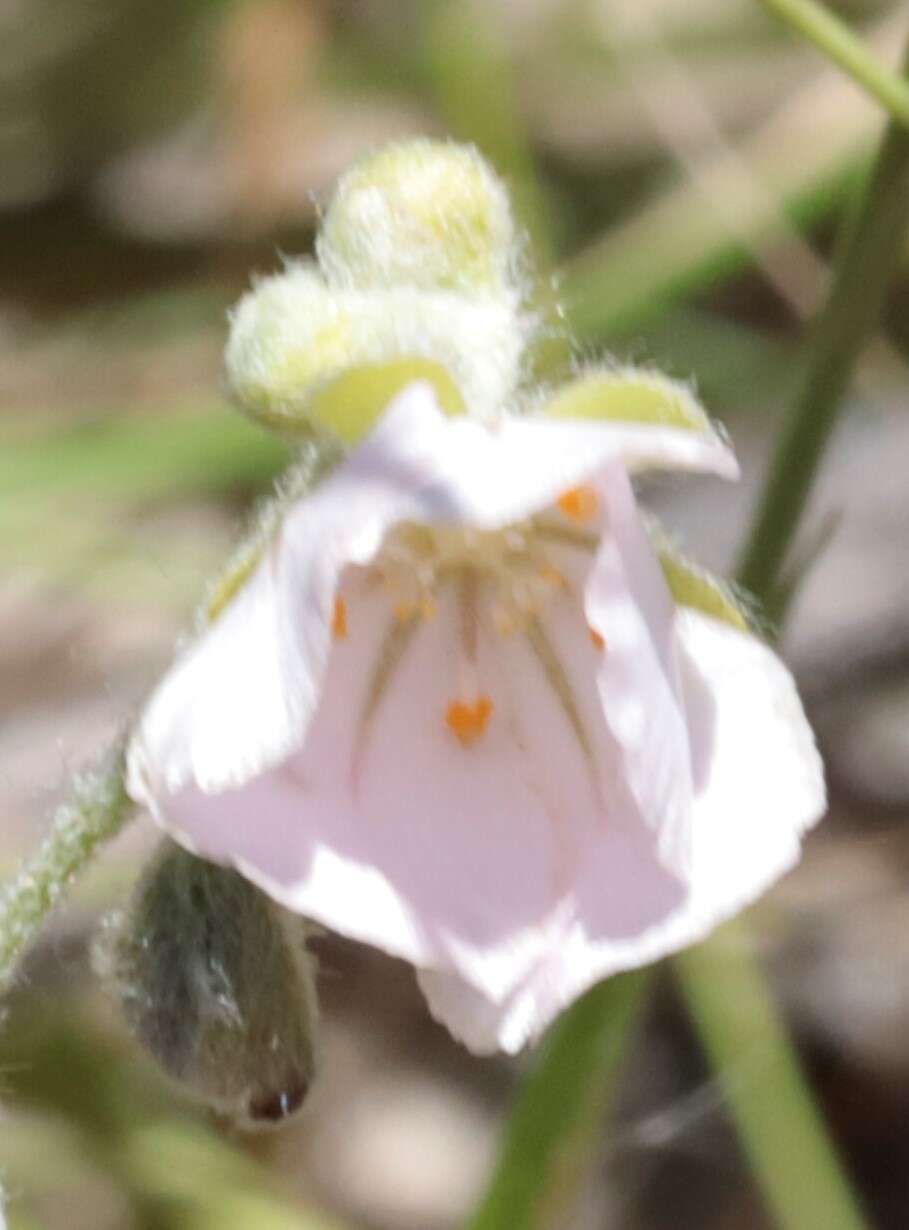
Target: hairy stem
(96, 811)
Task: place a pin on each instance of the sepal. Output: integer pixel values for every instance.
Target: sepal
(629, 395)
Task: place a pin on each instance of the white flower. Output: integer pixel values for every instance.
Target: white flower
(456, 714)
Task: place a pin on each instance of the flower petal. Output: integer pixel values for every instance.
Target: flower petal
(629, 605)
(758, 787)
(384, 827)
(758, 783)
(240, 698)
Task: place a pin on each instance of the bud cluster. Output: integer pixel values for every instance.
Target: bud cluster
(416, 276)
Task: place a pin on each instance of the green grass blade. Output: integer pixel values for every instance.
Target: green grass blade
(867, 261)
(140, 457)
(779, 1124)
(555, 1124)
(803, 160)
(833, 37)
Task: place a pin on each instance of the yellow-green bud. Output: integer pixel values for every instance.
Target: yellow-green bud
(303, 354)
(423, 213)
(288, 335)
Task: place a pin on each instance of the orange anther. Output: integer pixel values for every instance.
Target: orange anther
(598, 641)
(553, 577)
(579, 503)
(467, 722)
(339, 620)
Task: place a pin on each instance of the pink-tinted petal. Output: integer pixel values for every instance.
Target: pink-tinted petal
(759, 779)
(629, 605)
(387, 829)
(241, 697)
(574, 765)
(758, 787)
(481, 1025)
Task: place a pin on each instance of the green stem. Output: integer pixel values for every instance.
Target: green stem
(868, 257)
(833, 37)
(97, 810)
(555, 1123)
(778, 1122)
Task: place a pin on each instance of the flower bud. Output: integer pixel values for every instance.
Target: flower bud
(424, 213)
(302, 353)
(288, 336)
(217, 985)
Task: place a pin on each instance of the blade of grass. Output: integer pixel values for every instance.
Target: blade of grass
(832, 36)
(747, 1045)
(555, 1123)
(867, 259)
(805, 156)
(141, 457)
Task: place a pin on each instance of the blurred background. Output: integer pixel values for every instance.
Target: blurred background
(685, 166)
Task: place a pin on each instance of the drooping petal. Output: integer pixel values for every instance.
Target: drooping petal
(629, 605)
(482, 1025)
(758, 776)
(758, 785)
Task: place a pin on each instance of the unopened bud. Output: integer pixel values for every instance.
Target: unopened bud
(422, 213)
(215, 981)
(289, 336)
(304, 354)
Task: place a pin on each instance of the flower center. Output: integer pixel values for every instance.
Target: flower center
(417, 561)
(515, 570)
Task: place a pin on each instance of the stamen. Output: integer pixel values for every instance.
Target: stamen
(468, 721)
(579, 503)
(553, 577)
(598, 641)
(339, 620)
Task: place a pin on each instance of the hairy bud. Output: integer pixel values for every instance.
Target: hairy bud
(302, 353)
(216, 982)
(422, 213)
